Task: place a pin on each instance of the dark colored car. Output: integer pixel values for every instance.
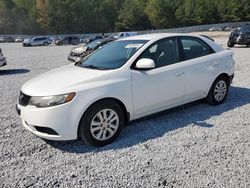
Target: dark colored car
(9, 39)
(240, 36)
(90, 39)
(6, 39)
(67, 40)
(79, 52)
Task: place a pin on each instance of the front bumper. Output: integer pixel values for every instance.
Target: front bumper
(26, 44)
(52, 123)
(240, 41)
(74, 58)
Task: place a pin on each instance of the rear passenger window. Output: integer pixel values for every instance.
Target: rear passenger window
(194, 48)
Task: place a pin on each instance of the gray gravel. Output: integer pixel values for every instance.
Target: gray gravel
(196, 145)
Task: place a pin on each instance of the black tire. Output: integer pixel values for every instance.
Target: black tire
(45, 44)
(230, 44)
(211, 97)
(85, 123)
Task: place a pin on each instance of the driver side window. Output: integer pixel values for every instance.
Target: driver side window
(163, 52)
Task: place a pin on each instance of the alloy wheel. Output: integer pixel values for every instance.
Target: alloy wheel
(220, 90)
(104, 124)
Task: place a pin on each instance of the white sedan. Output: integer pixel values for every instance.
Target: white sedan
(3, 61)
(123, 81)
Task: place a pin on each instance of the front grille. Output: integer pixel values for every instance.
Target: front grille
(24, 99)
(235, 35)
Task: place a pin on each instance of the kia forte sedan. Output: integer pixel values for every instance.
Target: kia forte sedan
(125, 80)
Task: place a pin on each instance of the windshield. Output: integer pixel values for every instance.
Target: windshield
(93, 44)
(112, 55)
(245, 28)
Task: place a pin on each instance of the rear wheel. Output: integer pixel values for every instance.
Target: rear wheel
(45, 44)
(102, 123)
(218, 92)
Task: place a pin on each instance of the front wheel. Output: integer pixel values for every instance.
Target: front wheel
(218, 92)
(102, 123)
(230, 44)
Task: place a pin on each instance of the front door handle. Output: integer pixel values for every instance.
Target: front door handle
(179, 73)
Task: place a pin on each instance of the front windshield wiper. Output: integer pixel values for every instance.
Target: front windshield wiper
(94, 67)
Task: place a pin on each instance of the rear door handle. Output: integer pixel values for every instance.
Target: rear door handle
(179, 73)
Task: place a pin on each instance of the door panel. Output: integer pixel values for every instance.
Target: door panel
(157, 88)
(199, 64)
(162, 86)
(199, 75)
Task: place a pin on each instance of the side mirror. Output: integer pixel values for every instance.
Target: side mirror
(145, 63)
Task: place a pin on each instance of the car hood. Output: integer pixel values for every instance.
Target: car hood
(79, 50)
(66, 79)
(27, 40)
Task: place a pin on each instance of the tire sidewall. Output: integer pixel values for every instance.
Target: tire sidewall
(84, 129)
(230, 44)
(211, 96)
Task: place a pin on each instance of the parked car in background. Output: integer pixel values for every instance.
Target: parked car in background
(240, 36)
(125, 80)
(92, 38)
(67, 40)
(227, 29)
(2, 39)
(78, 53)
(37, 41)
(9, 39)
(6, 39)
(19, 39)
(82, 38)
(3, 61)
(215, 29)
(124, 34)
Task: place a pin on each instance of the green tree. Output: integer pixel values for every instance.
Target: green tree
(132, 16)
(161, 13)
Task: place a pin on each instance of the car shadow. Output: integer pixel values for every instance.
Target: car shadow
(13, 71)
(155, 126)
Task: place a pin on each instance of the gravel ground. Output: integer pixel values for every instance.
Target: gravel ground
(196, 145)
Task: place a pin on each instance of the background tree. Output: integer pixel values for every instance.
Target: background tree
(85, 16)
(132, 16)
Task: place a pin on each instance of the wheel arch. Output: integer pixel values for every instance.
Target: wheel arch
(119, 102)
(218, 76)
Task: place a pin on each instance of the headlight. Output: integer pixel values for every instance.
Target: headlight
(48, 101)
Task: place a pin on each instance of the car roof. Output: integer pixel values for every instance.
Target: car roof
(155, 36)
(158, 36)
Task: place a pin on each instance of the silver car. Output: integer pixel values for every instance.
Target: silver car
(37, 41)
(3, 61)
